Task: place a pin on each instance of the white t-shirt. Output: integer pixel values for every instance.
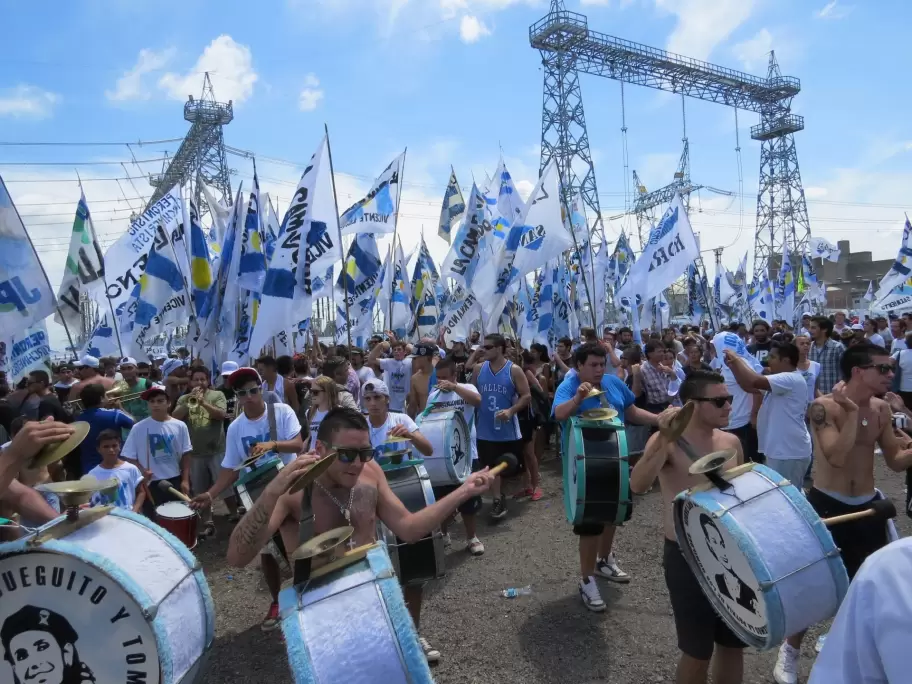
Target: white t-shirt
(452, 400)
(378, 434)
(904, 361)
(398, 378)
(158, 446)
(128, 475)
(781, 431)
(243, 433)
(742, 402)
(315, 421)
(810, 377)
(898, 345)
(365, 373)
(878, 340)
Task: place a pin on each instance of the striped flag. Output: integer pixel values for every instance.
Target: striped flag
(84, 269)
(252, 265)
(424, 296)
(376, 212)
(357, 283)
(200, 266)
(453, 208)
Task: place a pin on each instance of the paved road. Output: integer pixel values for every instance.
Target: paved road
(544, 638)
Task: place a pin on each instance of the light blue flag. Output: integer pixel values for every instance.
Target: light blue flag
(252, 264)
(357, 284)
(545, 307)
(424, 296)
(453, 209)
(462, 260)
(785, 287)
(201, 280)
(161, 281)
(103, 341)
(765, 307)
(376, 212)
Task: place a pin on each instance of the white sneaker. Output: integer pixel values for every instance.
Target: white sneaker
(818, 647)
(447, 542)
(609, 569)
(589, 592)
(474, 546)
(431, 653)
(786, 670)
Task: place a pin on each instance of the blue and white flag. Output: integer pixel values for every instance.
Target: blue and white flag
(462, 260)
(103, 340)
(394, 301)
(424, 296)
(869, 295)
(813, 287)
(357, 285)
(530, 325)
(309, 231)
(901, 269)
(457, 323)
(252, 264)
(161, 291)
(28, 349)
(785, 287)
(504, 205)
(376, 213)
(820, 248)
(201, 280)
(696, 297)
(672, 246)
(271, 229)
(454, 207)
(84, 270)
(26, 296)
(765, 305)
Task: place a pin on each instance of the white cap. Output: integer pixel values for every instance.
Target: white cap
(228, 367)
(375, 386)
(88, 361)
(169, 367)
(126, 361)
(857, 326)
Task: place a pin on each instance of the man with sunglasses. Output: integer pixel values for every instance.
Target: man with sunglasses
(702, 634)
(250, 435)
(848, 425)
(570, 399)
(353, 491)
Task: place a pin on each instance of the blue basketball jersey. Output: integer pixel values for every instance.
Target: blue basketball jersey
(497, 394)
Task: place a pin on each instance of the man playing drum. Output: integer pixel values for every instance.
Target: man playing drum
(847, 425)
(570, 399)
(701, 632)
(353, 491)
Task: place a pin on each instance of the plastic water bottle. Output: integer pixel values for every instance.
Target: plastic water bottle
(513, 593)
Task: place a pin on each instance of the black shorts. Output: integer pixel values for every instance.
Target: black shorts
(526, 430)
(589, 529)
(489, 453)
(469, 507)
(698, 625)
(856, 539)
(747, 435)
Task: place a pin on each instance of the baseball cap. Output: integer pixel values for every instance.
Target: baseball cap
(424, 349)
(88, 362)
(152, 391)
(228, 367)
(857, 326)
(376, 387)
(242, 375)
(126, 361)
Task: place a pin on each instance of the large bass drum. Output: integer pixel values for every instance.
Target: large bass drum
(451, 461)
(118, 600)
(352, 626)
(422, 561)
(596, 472)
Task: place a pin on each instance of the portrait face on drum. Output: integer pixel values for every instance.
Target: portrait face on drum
(39, 645)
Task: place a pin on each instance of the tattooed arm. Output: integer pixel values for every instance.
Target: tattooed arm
(831, 441)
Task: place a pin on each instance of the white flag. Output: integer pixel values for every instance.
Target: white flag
(376, 213)
(869, 295)
(84, 269)
(26, 296)
(820, 248)
(672, 247)
(28, 350)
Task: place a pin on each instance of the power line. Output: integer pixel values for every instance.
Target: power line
(92, 163)
(88, 144)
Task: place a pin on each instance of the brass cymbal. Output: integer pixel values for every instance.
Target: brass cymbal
(51, 453)
(599, 414)
(322, 544)
(595, 393)
(398, 439)
(78, 492)
(711, 462)
(313, 472)
(248, 462)
(679, 423)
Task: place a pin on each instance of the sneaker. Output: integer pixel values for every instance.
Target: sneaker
(537, 494)
(499, 509)
(208, 530)
(523, 493)
(447, 542)
(271, 621)
(475, 547)
(589, 592)
(818, 647)
(609, 569)
(786, 670)
(431, 653)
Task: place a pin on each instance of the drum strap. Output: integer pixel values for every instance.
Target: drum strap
(271, 417)
(688, 450)
(305, 533)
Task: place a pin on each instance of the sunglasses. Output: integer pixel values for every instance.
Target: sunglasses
(315, 392)
(488, 347)
(352, 454)
(252, 392)
(882, 368)
(718, 402)
(142, 375)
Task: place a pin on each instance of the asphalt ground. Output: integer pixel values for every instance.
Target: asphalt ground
(543, 638)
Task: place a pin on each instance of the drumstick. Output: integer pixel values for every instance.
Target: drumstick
(882, 508)
(498, 469)
(165, 486)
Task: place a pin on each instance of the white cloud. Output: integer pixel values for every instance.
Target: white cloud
(311, 95)
(472, 29)
(130, 86)
(27, 101)
(813, 193)
(704, 24)
(754, 52)
(230, 66)
(598, 3)
(833, 10)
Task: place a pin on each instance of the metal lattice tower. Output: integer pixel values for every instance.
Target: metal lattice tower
(568, 47)
(201, 156)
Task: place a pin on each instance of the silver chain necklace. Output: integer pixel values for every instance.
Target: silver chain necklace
(344, 510)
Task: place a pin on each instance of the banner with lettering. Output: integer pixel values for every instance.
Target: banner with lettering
(84, 269)
(29, 350)
(376, 212)
(457, 324)
(26, 296)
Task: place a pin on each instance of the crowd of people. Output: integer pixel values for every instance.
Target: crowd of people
(813, 403)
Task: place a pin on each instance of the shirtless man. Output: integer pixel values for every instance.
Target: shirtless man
(423, 356)
(847, 425)
(353, 491)
(87, 370)
(703, 636)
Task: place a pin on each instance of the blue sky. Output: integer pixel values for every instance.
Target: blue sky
(456, 81)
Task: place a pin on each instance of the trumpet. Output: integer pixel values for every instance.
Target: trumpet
(119, 392)
(192, 401)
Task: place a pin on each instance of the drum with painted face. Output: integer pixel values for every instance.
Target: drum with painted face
(450, 463)
(352, 625)
(422, 561)
(249, 486)
(596, 472)
(117, 600)
(762, 556)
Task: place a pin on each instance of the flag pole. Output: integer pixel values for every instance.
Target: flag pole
(339, 229)
(582, 270)
(389, 322)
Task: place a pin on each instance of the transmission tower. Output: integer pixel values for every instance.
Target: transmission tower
(568, 47)
(201, 157)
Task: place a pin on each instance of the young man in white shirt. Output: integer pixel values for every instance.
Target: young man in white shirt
(131, 494)
(160, 447)
(782, 434)
(248, 437)
(397, 372)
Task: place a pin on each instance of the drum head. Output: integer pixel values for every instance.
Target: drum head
(176, 510)
(723, 571)
(574, 471)
(460, 448)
